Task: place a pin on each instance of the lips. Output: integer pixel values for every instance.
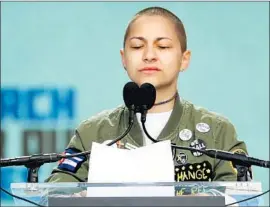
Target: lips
(149, 69)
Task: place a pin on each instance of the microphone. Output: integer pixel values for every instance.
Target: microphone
(130, 97)
(239, 159)
(32, 159)
(130, 94)
(147, 99)
(36, 160)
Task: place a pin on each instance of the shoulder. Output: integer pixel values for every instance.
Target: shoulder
(108, 116)
(101, 126)
(198, 114)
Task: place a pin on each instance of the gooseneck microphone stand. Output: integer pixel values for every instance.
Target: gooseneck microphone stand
(34, 162)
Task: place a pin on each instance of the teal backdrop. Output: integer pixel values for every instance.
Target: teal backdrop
(61, 64)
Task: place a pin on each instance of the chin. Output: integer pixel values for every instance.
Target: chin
(158, 85)
(148, 82)
(151, 81)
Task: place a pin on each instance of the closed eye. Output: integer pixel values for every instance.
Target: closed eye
(136, 47)
(163, 47)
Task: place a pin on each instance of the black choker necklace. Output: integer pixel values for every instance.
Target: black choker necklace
(167, 101)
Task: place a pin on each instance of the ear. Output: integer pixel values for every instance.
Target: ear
(185, 60)
(122, 53)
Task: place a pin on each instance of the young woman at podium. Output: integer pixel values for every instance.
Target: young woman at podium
(155, 51)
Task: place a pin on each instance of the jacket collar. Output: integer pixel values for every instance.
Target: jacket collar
(136, 134)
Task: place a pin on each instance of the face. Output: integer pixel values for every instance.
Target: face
(153, 53)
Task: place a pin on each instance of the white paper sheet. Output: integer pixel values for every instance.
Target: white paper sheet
(152, 163)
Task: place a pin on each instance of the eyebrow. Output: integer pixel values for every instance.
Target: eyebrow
(143, 39)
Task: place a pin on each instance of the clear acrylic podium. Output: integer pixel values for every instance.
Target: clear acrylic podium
(138, 194)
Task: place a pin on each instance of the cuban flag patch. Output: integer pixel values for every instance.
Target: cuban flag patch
(71, 164)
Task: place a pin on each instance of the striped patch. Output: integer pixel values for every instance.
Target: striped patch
(71, 164)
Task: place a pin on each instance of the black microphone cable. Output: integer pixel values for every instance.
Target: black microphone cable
(21, 198)
(130, 101)
(147, 94)
(54, 157)
(247, 199)
(143, 119)
(88, 152)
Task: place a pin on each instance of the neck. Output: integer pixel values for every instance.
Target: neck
(162, 95)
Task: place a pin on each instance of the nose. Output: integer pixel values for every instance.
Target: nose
(149, 55)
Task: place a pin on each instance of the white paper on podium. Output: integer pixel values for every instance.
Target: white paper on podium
(152, 163)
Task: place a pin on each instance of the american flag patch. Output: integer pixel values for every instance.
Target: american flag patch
(71, 164)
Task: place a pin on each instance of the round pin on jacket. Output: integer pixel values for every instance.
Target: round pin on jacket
(185, 134)
(202, 127)
(181, 158)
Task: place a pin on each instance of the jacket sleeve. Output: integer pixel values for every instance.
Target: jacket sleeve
(226, 139)
(97, 128)
(73, 169)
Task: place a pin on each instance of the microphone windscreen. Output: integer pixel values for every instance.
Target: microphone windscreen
(130, 94)
(147, 95)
